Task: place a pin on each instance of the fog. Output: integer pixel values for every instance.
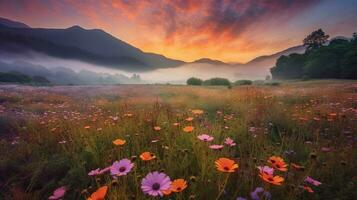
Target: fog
(177, 75)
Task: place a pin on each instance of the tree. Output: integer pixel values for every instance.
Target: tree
(194, 81)
(217, 81)
(289, 67)
(315, 40)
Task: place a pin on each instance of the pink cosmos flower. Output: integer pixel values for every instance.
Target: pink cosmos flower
(155, 183)
(229, 142)
(98, 171)
(216, 147)
(121, 168)
(312, 181)
(266, 169)
(58, 193)
(205, 137)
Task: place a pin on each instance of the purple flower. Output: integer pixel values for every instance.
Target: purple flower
(312, 181)
(266, 169)
(241, 198)
(205, 137)
(155, 183)
(121, 168)
(229, 142)
(58, 193)
(216, 147)
(258, 193)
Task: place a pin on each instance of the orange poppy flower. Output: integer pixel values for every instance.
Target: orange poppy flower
(278, 163)
(226, 165)
(167, 192)
(99, 194)
(178, 185)
(197, 112)
(188, 129)
(119, 142)
(176, 124)
(157, 128)
(308, 189)
(189, 119)
(146, 156)
(276, 180)
(86, 127)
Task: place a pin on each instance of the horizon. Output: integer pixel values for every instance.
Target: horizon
(228, 36)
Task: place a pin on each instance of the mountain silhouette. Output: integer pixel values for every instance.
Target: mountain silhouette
(92, 46)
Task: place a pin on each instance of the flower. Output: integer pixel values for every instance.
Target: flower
(241, 198)
(276, 180)
(155, 183)
(312, 181)
(266, 170)
(297, 167)
(176, 124)
(121, 168)
(178, 185)
(308, 189)
(216, 147)
(205, 137)
(189, 119)
(58, 193)
(229, 142)
(197, 111)
(119, 142)
(188, 129)
(146, 156)
(98, 171)
(278, 163)
(260, 192)
(226, 165)
(157, 128)
(99, 194)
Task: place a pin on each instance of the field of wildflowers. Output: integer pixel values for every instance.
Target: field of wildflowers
(293, 141)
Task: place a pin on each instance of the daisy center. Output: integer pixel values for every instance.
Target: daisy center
(156, 186)
(122, 169)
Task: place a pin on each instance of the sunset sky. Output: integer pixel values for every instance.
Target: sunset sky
(227, 30)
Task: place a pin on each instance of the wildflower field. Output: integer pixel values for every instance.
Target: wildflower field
(292, 141)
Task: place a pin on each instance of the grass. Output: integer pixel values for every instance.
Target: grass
(59, 134)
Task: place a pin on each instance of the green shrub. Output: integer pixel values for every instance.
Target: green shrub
(243, 82)
(194, 81)
(217, 81)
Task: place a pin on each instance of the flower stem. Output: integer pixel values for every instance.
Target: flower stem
(223, 186)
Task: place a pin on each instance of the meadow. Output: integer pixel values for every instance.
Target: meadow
(291, 141)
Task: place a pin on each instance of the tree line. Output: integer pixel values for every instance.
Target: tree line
(322, 59)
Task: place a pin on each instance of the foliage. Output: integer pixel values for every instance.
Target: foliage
(217, 81)
(16, 77)
(309, 124)
(335, 60)
(243, 82)
(315, 40)
(194, 81)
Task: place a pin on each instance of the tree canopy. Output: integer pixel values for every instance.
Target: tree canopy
(338, 59)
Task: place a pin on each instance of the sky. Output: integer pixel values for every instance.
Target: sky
(227, 30)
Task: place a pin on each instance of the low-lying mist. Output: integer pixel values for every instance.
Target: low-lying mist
(67, 71)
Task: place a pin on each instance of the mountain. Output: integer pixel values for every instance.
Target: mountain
(210, 61)
(271, 59)
(12, 24)
(93, 46)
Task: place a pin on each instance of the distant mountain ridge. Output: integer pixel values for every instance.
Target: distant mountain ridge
(93, 46)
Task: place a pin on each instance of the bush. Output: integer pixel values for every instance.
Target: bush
(217, 81)
(243, 82)
(194, 81)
